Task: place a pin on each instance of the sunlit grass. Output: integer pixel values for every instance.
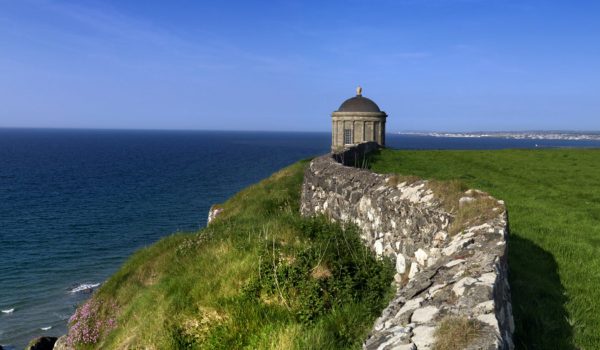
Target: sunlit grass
(259, 277)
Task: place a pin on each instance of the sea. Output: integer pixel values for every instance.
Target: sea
(74, 204)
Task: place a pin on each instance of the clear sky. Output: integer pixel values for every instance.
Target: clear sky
(443, 65)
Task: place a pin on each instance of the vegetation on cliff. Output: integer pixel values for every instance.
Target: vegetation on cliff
(259, 277)
(553, 201)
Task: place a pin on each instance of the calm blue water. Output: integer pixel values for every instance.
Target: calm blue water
(75, 203)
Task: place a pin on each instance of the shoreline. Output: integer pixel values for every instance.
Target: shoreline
(565, 136)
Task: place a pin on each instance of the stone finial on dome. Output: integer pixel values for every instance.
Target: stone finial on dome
(358, 91)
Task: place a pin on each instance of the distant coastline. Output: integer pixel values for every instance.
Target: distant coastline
(523, 135)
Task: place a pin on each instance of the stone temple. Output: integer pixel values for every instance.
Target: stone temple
(358, 120)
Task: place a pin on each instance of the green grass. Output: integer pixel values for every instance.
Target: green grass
(553, 200)
(260, 277)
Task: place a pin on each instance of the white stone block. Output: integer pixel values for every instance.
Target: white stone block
(459, 287)
(491, 320)
(421, 256)
(436, 288)
(414, 269)
(456, 245)
(425, 314)
(465, 200)
(454, 263)
(486, 307)
(423, 337)
(477, 228)
(440, 236)
(400, 264)
(378, 247)
(427, 198)
(488, 278)
(409, 306)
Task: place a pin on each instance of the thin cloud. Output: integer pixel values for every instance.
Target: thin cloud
(117, 38)
(410, 55)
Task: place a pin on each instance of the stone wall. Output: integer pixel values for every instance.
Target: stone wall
(438, 276)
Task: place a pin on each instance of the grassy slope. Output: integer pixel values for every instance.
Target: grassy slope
(260, 277)
(553, 199)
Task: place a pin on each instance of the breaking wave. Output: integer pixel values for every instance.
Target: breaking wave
(85, 287)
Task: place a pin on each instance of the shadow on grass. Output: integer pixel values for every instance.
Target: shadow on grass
(538, 297)
(371, 158)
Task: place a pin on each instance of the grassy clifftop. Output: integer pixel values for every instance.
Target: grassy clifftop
(260, 277)
(553, 201)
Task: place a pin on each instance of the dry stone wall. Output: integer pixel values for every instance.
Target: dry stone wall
(438, 276)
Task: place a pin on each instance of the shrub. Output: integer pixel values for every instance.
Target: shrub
(335, 270)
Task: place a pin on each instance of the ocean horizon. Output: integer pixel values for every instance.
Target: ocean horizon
(76, 203)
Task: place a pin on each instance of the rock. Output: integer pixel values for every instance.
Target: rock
(425, 314)
(416, 287)
(61, 343)
(481, 227)
(454, 263)
(456, 245)
(401, 336)
(411, 193)
(436, 288)
(397, 340)
(488, 279)
(421, 256)
(485, 307)
(423, 337)
(489, 319)
(409, 306)
(400, 264)
(459, 287)
(465, 200)
(434, 255)
(410, 346)
(42, 343)
(414, 268)
(378, 247)
(440, 236)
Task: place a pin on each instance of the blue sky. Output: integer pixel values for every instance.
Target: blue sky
(446, 65)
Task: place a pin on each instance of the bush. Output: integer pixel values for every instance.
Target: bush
(335, 271)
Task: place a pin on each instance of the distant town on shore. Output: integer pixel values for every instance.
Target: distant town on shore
(530, 135)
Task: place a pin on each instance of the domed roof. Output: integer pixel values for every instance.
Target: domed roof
(359, 103)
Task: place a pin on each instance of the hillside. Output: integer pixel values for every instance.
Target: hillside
(263, 277)
(259, 277)
(553, 200)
